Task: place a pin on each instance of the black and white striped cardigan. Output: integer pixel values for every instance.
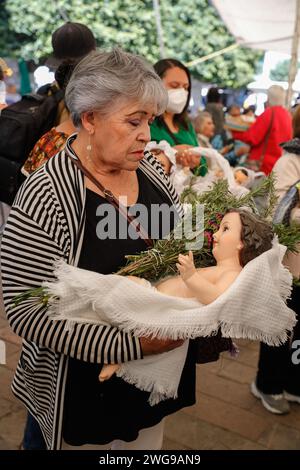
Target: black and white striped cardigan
(47, 221)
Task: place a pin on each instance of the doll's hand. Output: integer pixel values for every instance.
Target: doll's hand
(186, 266)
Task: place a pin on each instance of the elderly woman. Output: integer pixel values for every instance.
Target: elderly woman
(271, 128)
(205, 128)
(60, 213)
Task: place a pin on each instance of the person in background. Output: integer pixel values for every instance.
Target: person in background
(237, 122)
(249, 114)
(214, 106)
(223, 143)
(2, 90)
(278, 378)
(205, 128)
(234, 110)
(270, 129)
(54, 140)
(174, 125)
(70, 42)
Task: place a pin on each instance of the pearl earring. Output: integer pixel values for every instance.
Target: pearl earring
(89, 149)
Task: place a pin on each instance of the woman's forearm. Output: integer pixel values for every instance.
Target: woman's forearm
(23, 269)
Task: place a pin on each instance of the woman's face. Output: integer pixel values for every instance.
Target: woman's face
(119, 138)
(227, 240)
(174, 78)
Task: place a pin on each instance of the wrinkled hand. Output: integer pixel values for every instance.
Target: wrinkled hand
(157, 346)
(186, 266)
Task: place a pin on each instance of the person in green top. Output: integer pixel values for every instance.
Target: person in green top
(174, 125)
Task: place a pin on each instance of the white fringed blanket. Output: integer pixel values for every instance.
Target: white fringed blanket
(253, 307)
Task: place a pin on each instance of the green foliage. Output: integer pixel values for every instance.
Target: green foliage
(9, 41)
(160, 261)
(191, 28)
(281, 71)
(194, 30)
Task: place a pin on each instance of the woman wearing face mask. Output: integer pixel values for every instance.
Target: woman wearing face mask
(174, 125)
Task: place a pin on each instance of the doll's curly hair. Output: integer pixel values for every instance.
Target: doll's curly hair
(256, 235)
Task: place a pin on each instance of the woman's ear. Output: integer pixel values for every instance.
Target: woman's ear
(88, 121)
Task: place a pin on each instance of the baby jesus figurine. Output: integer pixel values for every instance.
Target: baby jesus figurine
(240, 238)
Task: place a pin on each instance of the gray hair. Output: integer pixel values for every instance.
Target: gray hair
(200, 119)
(102, 78)
(276, 96)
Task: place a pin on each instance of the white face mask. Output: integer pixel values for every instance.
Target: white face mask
(177, 100)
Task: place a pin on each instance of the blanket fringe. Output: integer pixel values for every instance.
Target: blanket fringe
(285, 283)
(255, 334)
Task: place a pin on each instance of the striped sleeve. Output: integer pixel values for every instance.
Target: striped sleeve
(31, 243)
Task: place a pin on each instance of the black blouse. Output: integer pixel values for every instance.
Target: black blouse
(94, 412)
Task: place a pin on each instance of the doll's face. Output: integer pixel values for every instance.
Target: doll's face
(219, 174)
(227, 240)
(240, 177)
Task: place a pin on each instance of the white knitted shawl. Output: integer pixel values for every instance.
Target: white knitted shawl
(252, 307)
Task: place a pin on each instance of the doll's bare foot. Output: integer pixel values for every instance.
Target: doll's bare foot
(107, 371)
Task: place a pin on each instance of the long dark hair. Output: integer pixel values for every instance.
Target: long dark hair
(64, 72)
(161, 68)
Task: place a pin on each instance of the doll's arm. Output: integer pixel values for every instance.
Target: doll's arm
(204, 290)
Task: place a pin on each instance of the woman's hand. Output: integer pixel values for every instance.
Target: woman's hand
(186, 266)
(226, 149)
(185, 156)
(157, 346)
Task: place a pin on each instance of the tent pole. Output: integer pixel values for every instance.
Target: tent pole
(160, 37)
(294, 53)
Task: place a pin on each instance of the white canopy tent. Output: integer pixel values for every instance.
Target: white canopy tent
(269, 25)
